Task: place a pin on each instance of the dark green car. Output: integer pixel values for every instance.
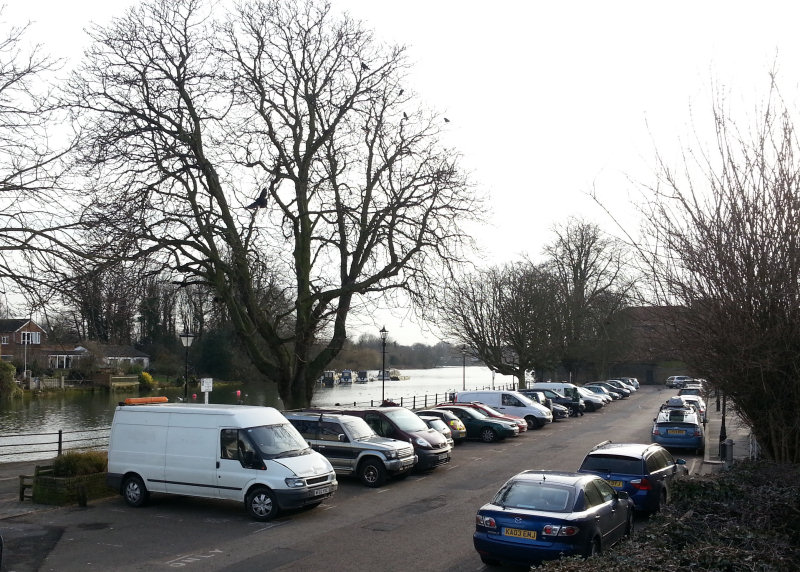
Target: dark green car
(479, 426)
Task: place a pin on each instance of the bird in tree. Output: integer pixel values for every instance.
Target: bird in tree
(446, 120)
(364, 67)
(405, 115)
(260, 202)
(401, 92)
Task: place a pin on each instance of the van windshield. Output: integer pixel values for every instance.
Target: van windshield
(276, 441)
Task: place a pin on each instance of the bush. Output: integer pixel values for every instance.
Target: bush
(746, 518)
(77, 463)
(146, 381)
(8, 385)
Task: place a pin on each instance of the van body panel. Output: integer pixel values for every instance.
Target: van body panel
(181, 449)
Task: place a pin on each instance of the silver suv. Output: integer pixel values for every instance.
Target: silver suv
(353, 448)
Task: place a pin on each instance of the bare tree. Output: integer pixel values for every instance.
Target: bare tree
(35, 217)
(724, 249)
(508, 317)
(589, 268)
(279, 139)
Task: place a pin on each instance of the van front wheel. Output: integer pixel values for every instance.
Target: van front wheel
(261, 504)
(134, 491)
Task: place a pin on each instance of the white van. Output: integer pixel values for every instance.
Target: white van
(237, 452)
(511, 402)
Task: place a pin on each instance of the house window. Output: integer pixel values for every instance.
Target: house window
(4, 340)
(31, 338)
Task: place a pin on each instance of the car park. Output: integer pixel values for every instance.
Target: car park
(646, 472)
(457, 429)
(440, 426)
(512, 402)
(403, 424)
(481, 426)
(353, 448)
(544, 515)
(680, 428)
(494, 414)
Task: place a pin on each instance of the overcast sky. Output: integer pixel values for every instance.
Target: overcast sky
(549, 100)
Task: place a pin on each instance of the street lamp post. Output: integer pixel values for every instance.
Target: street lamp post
(186, 340)
(384, 333)
(463, 368)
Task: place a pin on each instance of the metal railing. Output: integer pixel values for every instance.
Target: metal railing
(418, 401)
(33, 446)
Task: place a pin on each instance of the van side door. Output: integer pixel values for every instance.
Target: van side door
(190, 458)
(237, 462)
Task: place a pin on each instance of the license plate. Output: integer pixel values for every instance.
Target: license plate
(442, 456)
(617, 484)
(409, 461)
(520, 533)
(676, 432)
(322, 491)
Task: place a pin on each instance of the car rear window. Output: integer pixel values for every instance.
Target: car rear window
(612, 464)
(535, 496)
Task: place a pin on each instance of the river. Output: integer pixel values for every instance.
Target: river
(89, 413)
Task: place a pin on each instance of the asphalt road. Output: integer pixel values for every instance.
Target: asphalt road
(423, 522)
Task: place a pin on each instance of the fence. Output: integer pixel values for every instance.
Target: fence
(418, 401)
(36, 446)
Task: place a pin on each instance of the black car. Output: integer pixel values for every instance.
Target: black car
(544, 515)
(558, 410)
(645, 472)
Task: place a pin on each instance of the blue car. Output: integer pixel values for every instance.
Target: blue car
(543, 515)
(645, 471)
(679, 428)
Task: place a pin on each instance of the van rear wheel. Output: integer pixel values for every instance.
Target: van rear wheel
(134, 492)
(261, 504)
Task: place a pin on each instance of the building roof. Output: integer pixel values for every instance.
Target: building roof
(13, 324)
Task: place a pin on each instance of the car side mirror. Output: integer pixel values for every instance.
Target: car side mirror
(623, 495)
(342, 438)
(680, 461)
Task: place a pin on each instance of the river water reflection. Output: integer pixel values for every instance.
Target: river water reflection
(87, 411)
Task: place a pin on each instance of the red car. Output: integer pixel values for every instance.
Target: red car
(489, 412)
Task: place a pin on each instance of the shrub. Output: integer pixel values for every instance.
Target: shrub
(8, 385)
(146, 381)
(77, 463)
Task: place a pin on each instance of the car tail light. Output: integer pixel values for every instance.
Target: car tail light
(486, 521)
(655, 430)
(642, 484)
(559, 530)
(698, 432)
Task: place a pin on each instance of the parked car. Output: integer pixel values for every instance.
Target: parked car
(493, 413)
(559, 398)
(679, 428)
(677, 381)
(544, 515)
(646, 472)
(458, 430)
(699, 404)
(558, 410)
(353, 448)
(622, 388)
(601, 391)
(631, 381)
(480, 426)
(592, 401)
(626, 384)
(613, 390)
(440, 426)
(403, 424)
(512, 402)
